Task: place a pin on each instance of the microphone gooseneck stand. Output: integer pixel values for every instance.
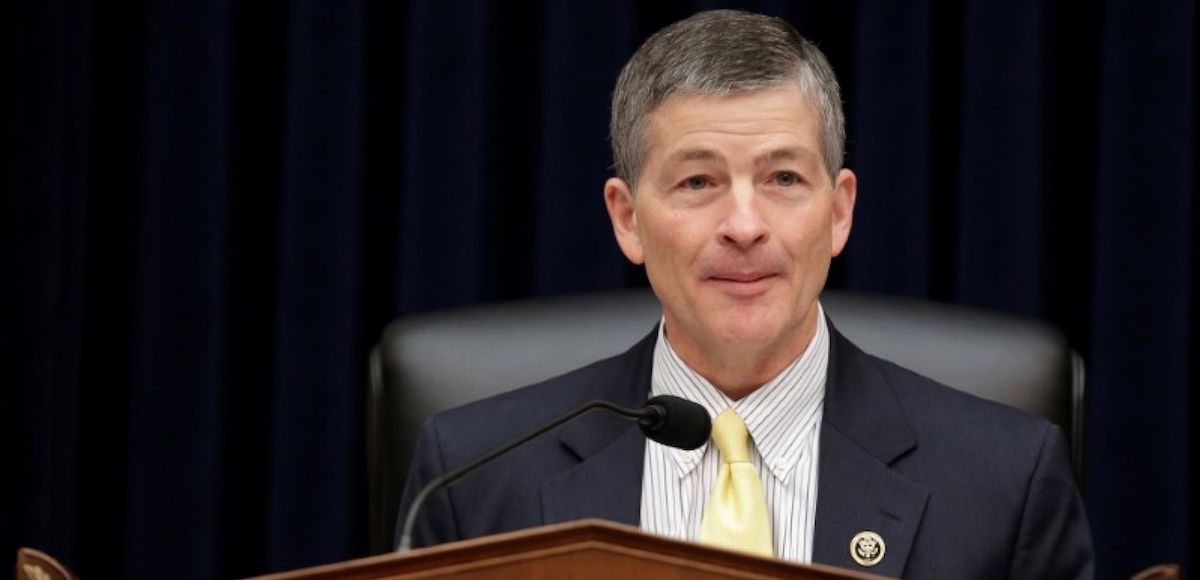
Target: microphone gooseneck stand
(688, 429)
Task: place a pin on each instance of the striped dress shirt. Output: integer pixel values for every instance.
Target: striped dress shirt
(784, 420)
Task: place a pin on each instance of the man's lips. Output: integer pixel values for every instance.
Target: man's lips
(743, 284)
(746, 277)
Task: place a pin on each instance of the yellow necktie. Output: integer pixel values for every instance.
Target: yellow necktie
(736, 514)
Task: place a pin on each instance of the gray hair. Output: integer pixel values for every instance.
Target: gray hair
(718, 53)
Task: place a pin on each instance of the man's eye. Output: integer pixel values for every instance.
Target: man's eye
(786, 179)
(695, 182)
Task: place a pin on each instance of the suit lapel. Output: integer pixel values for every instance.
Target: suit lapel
(606, 484)
(863, 432)
(607, 481)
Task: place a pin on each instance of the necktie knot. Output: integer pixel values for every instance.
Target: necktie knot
(731, 437)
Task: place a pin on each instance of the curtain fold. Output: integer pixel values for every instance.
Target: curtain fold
(1144, 278)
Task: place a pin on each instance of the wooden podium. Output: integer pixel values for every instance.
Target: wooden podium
(581, 550)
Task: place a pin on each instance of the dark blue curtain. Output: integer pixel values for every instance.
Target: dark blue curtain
(211, 209)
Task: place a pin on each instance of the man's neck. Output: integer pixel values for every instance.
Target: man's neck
(738, 370)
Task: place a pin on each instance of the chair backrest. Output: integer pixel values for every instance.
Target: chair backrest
(430, 362)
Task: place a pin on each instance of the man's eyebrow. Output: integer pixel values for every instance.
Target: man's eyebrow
(692, 154)
(787, 154)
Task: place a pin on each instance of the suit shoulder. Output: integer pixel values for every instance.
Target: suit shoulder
(563, 391)
(929, 400)
(486, 422)
(976, 443)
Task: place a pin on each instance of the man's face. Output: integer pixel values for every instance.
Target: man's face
(736, 220)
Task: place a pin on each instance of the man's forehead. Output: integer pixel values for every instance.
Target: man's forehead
(794, 89)
(778, 106)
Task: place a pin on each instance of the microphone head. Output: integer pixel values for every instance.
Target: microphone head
(676, 422)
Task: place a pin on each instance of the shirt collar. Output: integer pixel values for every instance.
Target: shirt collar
(781, 415)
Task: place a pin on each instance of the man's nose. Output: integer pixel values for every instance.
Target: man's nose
(743, 226)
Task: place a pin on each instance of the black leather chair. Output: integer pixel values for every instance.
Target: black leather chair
(426, 363)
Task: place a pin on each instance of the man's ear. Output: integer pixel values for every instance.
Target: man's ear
(623, 213)
(845, 192)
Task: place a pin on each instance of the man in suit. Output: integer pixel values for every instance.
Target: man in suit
(728, 134)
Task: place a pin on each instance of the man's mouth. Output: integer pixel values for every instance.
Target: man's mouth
(743, 284)
(746, 277)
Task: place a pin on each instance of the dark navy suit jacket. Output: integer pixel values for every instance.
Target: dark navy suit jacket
(956, 486)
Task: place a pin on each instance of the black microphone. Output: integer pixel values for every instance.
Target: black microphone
(675, 422)
(669, 420)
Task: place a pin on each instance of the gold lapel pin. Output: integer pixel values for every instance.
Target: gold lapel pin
(867, 548)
